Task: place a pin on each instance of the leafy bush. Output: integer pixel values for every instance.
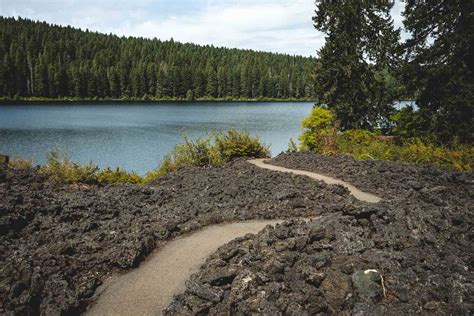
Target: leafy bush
(321, 135)
(320, 131)
(406, 123)
(210, 150)
(60, 169)
(362, 144)
(235, 144)
(460, 157)
(188, 153)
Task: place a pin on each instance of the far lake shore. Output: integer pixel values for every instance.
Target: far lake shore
(139, 100)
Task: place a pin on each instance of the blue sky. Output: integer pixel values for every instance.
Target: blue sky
(283, 26)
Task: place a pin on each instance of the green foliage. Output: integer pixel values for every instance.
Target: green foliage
(321, 135)
(292, 146)
(406, 123)
(46, 61)
(117, 175)
(319, 132)
(411, 150)
(60, 169)
(235, 144)
(19, 163)
(439, 65)
(363, 144)
(361, 44)
(211, 150)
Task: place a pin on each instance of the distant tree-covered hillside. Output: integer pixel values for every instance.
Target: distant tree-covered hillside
(43, 60)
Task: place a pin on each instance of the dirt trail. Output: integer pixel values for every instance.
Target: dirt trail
(149, 289)
(358, 194)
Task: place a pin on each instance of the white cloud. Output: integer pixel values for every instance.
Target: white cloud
(273, 26)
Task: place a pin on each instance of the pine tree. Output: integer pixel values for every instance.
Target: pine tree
(440, 65)
(211, 85)
(221, 82)
(359, 34)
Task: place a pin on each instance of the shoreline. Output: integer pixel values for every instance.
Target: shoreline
(139, 101)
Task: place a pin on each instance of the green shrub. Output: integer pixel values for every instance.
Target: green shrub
(320, 135)
(210, 150)
(406, 123)
(19, 163)
(235, 144)
(60, 169)
(460, 157)
(188, 153)
(320, 129)
(117, 175)
(362, 144)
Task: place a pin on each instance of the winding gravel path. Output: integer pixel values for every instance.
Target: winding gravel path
(358, 194)
(149, 289)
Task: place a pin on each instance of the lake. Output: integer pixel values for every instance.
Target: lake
(136, 136)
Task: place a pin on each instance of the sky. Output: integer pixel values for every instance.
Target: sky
(282, 26)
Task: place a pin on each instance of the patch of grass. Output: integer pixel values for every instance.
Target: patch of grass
(19, 163)
(117, 175)
(216, 149)
(60, 168)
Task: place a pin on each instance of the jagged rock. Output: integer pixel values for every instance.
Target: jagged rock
(368, 284)
(320, 266)
(80, 234)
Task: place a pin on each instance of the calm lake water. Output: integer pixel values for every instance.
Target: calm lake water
(137, 136)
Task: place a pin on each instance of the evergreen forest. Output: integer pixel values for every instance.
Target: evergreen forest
(40, 60)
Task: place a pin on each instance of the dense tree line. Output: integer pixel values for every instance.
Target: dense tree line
(43, 60)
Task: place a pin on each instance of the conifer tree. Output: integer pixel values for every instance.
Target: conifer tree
(360, 39)
(440, 66)
(211, 85)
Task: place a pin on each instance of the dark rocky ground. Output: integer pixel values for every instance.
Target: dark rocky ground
(385, 178)
(58, 242)
(412, 253)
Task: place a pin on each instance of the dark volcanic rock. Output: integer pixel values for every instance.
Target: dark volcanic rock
(368, 284)
(58, 242)
(385, 178)
(409, 254)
